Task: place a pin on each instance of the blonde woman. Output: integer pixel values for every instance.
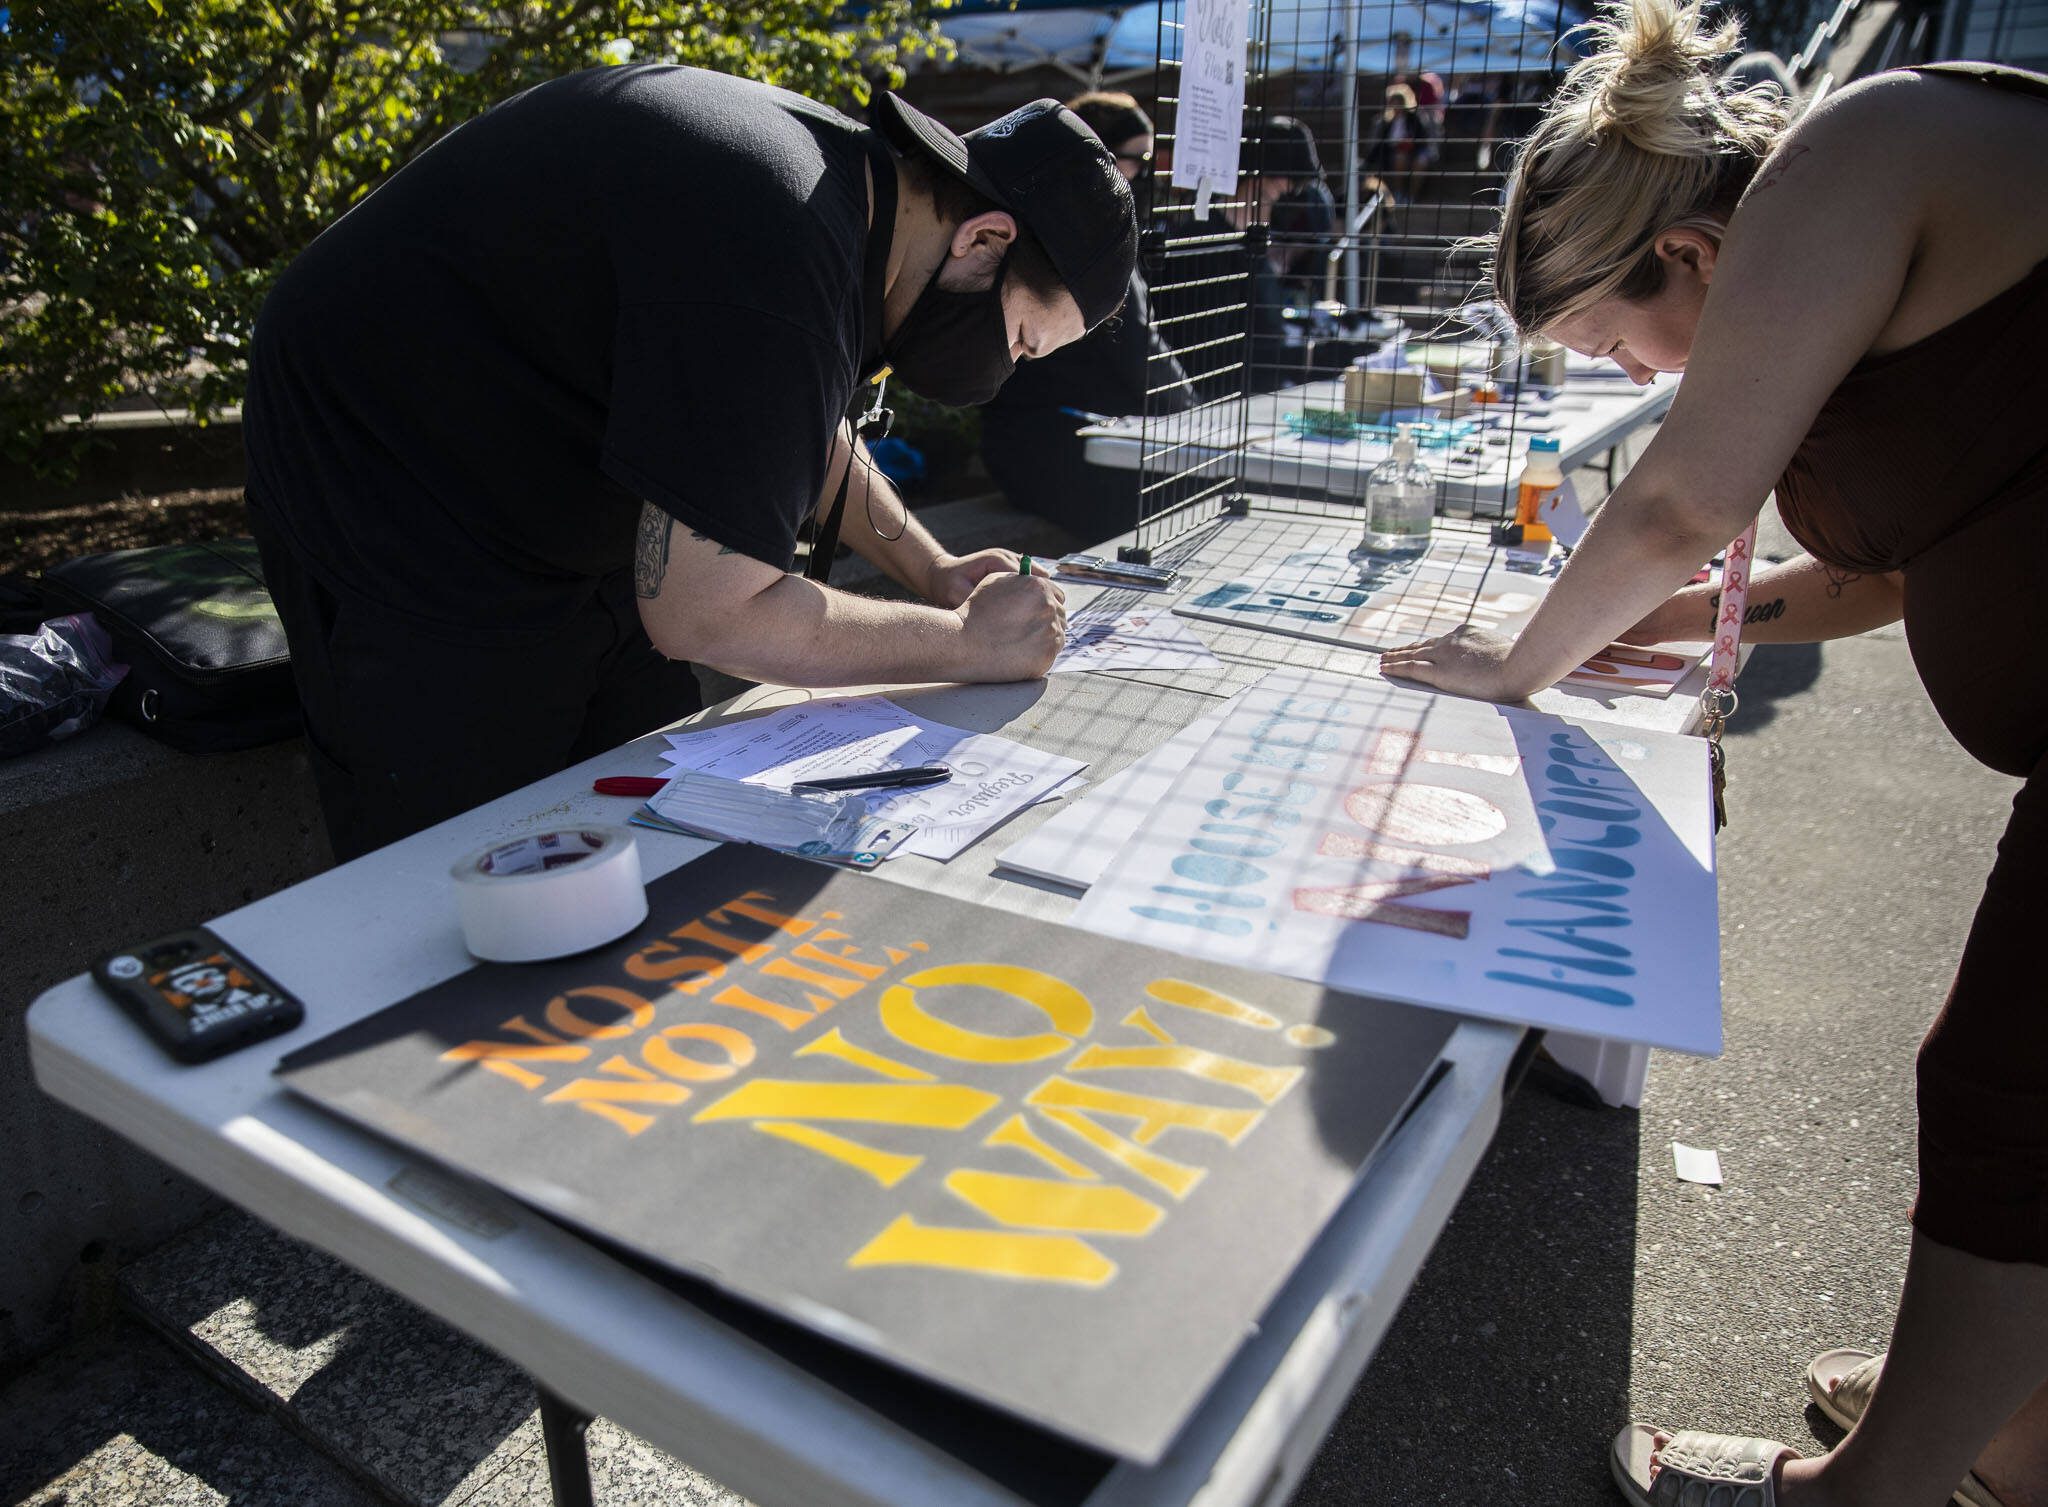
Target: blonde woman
(1860, 304)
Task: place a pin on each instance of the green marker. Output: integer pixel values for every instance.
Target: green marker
(1024, 565)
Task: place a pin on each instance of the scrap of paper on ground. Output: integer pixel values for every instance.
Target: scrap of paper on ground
(1546, 870)
(993, 777)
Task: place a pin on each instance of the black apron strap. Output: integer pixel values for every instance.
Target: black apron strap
(825, 543)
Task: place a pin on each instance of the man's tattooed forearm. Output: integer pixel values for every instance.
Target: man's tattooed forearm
(1837, 578)
(650, 550)
(1756, 612)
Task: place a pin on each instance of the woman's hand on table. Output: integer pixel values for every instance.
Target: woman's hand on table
(1465, 662)
(951, 579)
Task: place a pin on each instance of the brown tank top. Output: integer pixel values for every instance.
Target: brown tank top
(1933, 460)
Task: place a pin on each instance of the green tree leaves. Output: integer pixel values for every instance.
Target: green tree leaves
(162, 160)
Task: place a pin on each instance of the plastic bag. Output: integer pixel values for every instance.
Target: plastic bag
(54, 682)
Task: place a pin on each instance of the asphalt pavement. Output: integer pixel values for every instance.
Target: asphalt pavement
(1580, 1284)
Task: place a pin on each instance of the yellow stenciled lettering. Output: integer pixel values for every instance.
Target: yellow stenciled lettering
(1197, 997)
(1262, 1082)
(1014, 1132)
(639, 1013)
(604, 1097)
(1060, 1002)
(504, 1057)
(930, 1106)
(832, 1044)
(886, 1167)
(1050, 1203)
(660, 1053)
(987, 1253)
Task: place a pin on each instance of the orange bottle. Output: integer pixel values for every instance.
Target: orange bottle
(1540, 477)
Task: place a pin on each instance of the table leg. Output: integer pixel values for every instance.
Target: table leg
(562, 1431)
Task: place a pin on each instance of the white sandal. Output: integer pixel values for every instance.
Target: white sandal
(1696, 1469)
(1840, 1383)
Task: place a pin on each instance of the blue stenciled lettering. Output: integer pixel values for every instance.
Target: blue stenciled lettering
(1228, 926)
(1589, 878)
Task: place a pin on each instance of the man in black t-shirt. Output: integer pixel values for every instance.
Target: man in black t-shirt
(537, 423)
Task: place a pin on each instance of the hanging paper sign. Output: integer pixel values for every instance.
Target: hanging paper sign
(1211, 117)
(1385, 841)
(1058, 1173)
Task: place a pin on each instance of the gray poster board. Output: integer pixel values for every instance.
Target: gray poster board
(1059, 1173)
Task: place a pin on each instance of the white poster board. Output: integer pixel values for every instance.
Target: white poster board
(1211, 112)
(1504, 863)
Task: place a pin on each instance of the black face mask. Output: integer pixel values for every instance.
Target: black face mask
(954, 348)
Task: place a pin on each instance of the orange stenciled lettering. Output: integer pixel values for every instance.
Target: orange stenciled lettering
(660, 1052)
(687, 973)
(607, 1096)
(749, 905)
(739, 947)
(836, 985)
(639, 1013)
(987, 1253)
(789, 1017)
(844, 958)
(504, 1057)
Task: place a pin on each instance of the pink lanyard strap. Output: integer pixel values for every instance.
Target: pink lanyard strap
(1728, 631)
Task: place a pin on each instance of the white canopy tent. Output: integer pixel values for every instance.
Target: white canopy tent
(1101, 45)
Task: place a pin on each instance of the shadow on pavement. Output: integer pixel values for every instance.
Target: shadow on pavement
(1774, 672)
(1508, 1367)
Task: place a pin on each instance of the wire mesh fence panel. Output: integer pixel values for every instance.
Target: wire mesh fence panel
(1331, 293)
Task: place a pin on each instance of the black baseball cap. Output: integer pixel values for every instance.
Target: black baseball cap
(1043, 165)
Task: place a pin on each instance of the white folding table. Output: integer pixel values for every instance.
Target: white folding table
(602, 1338)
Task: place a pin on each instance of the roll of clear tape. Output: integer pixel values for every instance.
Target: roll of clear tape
(550, 894)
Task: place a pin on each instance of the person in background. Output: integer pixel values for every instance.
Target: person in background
(1029, 430)
(1394, 141)
(1859, 302)
(1301, 214)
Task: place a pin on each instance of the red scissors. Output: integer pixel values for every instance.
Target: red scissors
(642, 785)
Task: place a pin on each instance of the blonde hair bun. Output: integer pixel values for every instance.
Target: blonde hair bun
(1643, 136)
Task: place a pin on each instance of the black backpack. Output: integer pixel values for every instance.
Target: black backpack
(208, 668)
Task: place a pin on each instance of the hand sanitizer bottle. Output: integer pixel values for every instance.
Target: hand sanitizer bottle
(1400, 503)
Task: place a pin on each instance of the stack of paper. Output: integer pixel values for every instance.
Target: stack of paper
(1142, 638)
(993, 777)
(1075, 847)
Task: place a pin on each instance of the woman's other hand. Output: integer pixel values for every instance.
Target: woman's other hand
(1465, 662)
